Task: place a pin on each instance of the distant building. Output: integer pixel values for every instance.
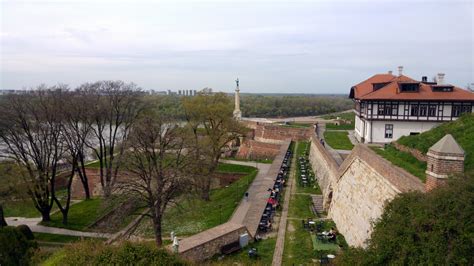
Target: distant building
(388, 106)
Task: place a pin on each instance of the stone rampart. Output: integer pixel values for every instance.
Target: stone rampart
(355, 193)
(278, 134)
(206, 244)
(251, 149)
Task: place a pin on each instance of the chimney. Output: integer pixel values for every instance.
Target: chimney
(424, 79)
(390, 72)
(440, 79)
(400, 70)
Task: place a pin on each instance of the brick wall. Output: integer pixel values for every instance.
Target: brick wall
(277, 134)
(416, 153)
(251, 149)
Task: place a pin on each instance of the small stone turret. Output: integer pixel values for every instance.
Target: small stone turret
(445, 158)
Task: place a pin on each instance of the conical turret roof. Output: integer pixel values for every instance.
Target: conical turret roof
(447, 144)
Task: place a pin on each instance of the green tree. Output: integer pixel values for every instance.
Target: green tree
(435, 228)
(211, 121)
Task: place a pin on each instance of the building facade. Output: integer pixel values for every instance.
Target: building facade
(388, 106)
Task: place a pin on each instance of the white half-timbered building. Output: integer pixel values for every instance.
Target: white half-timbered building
(388, 106)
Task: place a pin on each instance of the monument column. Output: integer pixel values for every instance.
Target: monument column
(237, 112)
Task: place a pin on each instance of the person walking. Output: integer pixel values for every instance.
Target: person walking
(247, 196)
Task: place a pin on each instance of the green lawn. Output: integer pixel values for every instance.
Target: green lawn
(340, 127)
(267, 161)
(347, 116)
(234, 168)
(338, 140)
(313, 187)
(193, 215)
(81, 215)
(265, 249)
(461, 129)
(404, 160)
(20, 208)
(45, 237)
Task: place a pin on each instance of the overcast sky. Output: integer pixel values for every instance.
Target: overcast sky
(272, 46)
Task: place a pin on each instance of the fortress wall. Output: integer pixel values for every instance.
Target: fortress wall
(251, 149)
(359, 199)
(277, 134)
(356, 192)
(325, 167)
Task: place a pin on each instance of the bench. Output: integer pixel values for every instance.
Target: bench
(230, 248)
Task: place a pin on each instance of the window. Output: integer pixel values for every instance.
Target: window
(423, 111)
(387, 109)
(442, 88)
(458, 110)
(409, 87)
(414, 110)
(388, 131)
(381, 109)
(394, 109)
(432, 110)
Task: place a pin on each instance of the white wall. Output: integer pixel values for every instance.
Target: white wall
(400, 128)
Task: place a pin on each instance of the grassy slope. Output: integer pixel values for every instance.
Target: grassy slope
(81, 215)
(194, 215)
(338, 140)
(403, 160)
(461, 129)
(265, 250)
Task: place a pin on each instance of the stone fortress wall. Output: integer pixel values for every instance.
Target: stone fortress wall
(356, 191)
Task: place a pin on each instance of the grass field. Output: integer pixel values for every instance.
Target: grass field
(403, 160)
(81, 215)
(461, 129)
(45, 237)
(313, 188)
(264, 248)
(268, 161)
(297, 125)
(347, 116)
(193, 215)
(338, 140)
(20, 208)
(340, 127)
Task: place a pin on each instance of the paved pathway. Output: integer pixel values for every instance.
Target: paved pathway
(33, 224)
(280, 243)
(241, 211)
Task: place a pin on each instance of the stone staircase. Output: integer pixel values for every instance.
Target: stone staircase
(317, 207)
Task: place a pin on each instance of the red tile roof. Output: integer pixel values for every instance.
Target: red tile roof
(364, 90)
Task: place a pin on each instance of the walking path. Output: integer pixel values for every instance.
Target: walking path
(241, 211)
(33, 224)
(280, 243)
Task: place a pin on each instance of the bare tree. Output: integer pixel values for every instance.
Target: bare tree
(115, 105)
(77, 129)
(156, 164)
(211, 120)
(31, 130)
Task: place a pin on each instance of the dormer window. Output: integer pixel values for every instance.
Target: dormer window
(442, 88)
(377, 86)
(409, 87)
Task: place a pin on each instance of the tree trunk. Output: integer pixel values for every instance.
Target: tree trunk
(83, 176)
(2, 217)
(45, 217)
(205, 193)
(157, 229)
(64, 213)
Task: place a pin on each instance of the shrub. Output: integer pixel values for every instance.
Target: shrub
(15, 248)
(26, 231)
(97, 253)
